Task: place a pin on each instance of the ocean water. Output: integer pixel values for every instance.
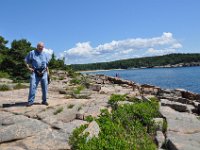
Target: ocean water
(169, 78)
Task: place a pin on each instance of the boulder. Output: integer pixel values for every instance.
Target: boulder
(176, 106)
(160, 139)
(62, 91)
(169, 93)
(120, 81)
(80, 115)
(198, 108)
(158, 123)
(107, 90)
(99, 81)
(149, 89)
(93, 130)
(95, 87)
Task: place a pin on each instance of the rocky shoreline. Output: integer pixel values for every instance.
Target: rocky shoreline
(192, 64)
(45, 128)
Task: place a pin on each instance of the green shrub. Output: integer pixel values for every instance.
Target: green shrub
(20, 86)
(72, 73)
(165, 126)
(61, 78)
(54, 78)
(78, 89)
(89, 118)
(70, 106)
(79, 108)
(4, 87)
(77, 139)
(85, 81)
(59, 110)
(75, 81)
(4, 74)
(127, 128)
(114, 98)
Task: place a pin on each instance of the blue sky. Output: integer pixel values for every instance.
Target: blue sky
(86, 31)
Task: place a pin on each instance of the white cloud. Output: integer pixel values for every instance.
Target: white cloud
(126, 51)
(160, 52)
(176, 45)
(49, 52)
(122, 49)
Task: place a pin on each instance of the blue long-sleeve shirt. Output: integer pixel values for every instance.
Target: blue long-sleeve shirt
(37, 59)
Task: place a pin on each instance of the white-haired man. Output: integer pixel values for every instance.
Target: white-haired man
(37, 63)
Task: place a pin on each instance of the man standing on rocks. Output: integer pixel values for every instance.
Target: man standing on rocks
(36, 62)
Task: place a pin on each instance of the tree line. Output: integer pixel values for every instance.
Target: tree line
(148, 62)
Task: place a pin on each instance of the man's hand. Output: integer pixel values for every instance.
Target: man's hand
(31, 69)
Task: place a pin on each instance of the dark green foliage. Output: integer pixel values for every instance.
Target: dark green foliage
(12, 60)
(61, 78)
(89, 118)
(71, 72)
(4, 74)
(56, 63)
(148, 62)
(3, 43)
(164, 126)
(129, 127)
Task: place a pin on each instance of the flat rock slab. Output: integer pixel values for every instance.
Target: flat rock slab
(183, 132)
(180, 122)
(177, 106)
(45, 140)
(180, 141)
(70, 126)
(21, 129)
(11, 148)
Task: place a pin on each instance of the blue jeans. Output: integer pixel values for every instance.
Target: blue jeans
(34, 81)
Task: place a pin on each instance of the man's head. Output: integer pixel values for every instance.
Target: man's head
(40, 46)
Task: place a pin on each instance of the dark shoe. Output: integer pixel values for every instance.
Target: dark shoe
(29, 105)
(45, 103)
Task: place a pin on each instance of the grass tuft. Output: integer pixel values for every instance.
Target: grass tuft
(59, 110)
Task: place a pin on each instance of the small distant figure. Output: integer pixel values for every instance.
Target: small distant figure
(117, 75)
